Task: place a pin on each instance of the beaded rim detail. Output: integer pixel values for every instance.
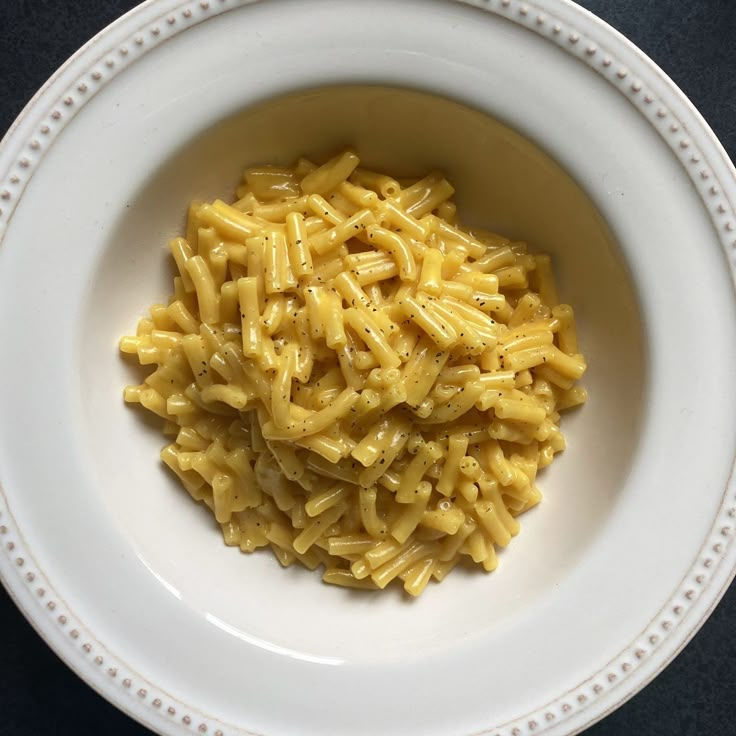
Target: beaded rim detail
(537, 18)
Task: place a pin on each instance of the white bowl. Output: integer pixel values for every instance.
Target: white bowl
(598, 158)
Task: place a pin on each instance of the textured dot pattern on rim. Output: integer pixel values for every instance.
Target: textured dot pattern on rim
(589, 51)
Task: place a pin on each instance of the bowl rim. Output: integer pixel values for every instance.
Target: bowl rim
(594, 43)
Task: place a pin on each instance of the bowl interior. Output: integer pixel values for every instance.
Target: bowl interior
(504, 182)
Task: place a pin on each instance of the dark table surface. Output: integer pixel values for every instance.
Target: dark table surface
(693, 41)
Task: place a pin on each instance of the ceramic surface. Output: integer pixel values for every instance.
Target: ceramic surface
(554, 129)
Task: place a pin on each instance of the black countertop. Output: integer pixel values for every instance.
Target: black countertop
(693, 41)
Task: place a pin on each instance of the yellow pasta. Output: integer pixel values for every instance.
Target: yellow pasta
(353, 380)
(271, 182)
(328, 177)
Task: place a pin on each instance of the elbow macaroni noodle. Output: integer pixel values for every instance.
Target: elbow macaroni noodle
(352, 379)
